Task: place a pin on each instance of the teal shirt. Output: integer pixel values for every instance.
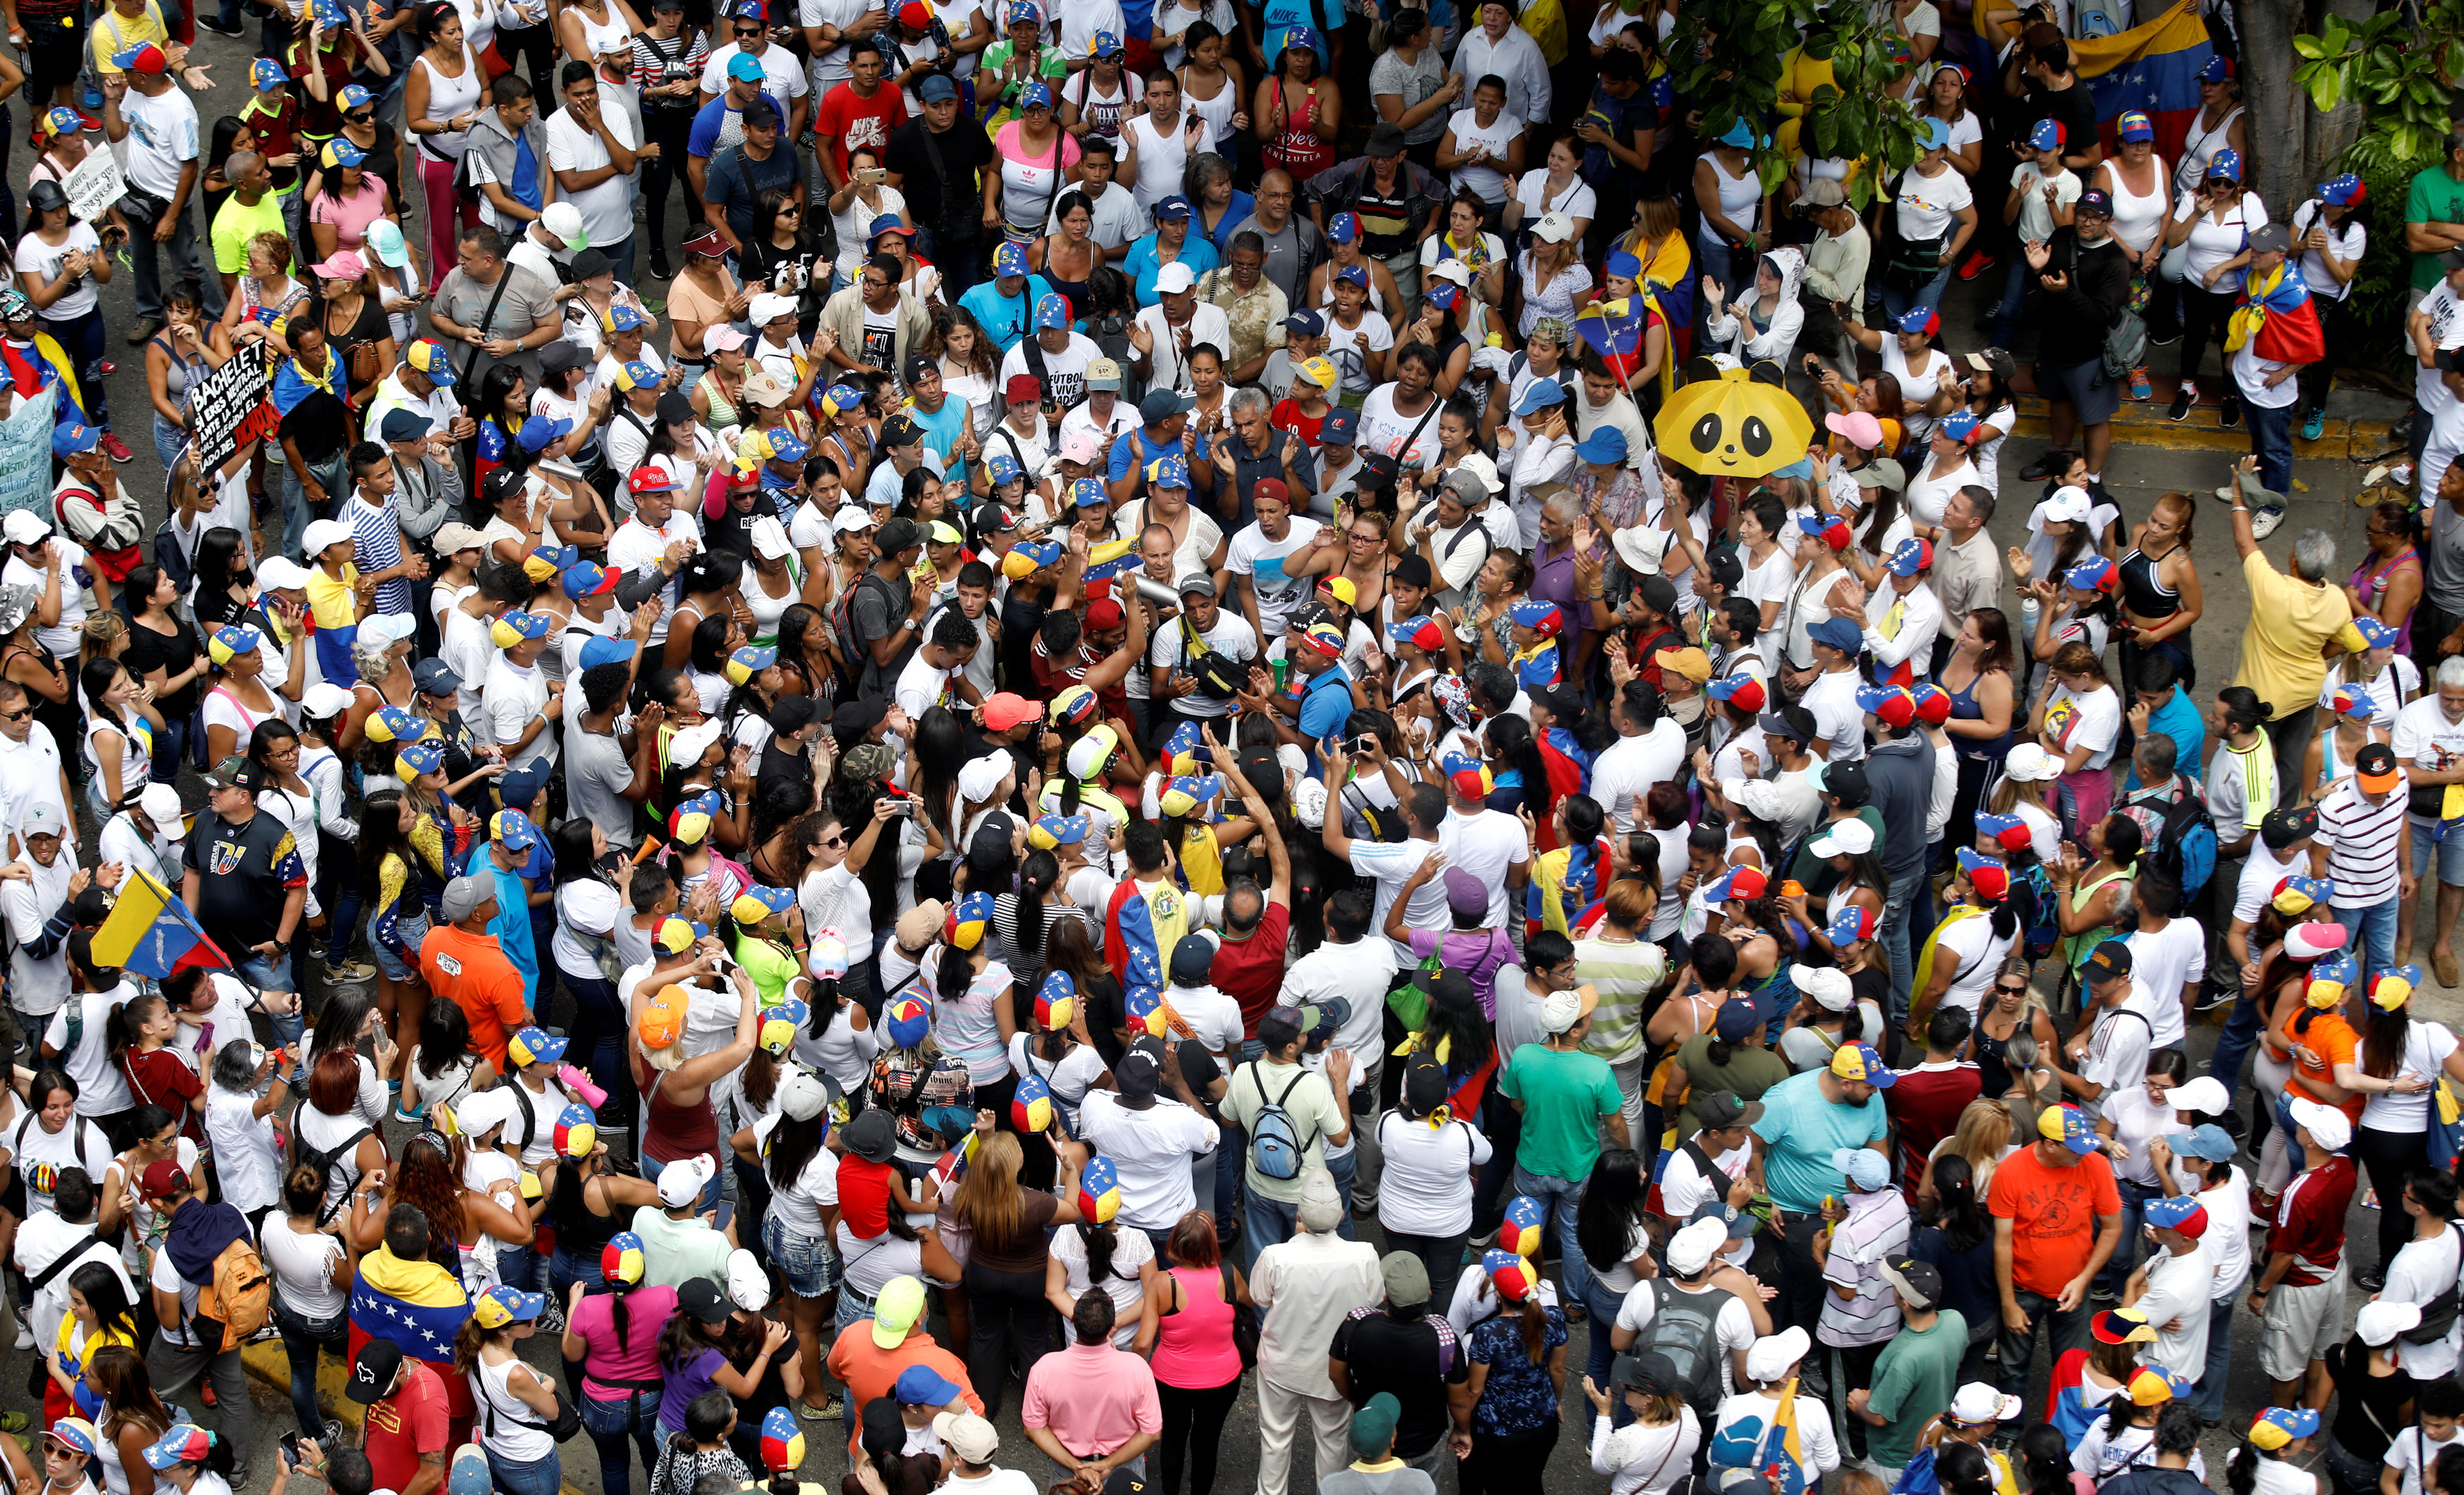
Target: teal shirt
(1564, 1096)
(1800, 1129)
(2434, 197)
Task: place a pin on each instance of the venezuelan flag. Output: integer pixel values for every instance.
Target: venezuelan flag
(420, 1306)
(1147, 921)
(2155, 68)
(151, 932)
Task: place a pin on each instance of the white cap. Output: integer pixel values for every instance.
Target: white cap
(851, 518)
(25, 527)
(1553, 227)
(1560, 1011)
(1453, 270)
(564, 220)
(1827, 985)
(325, 700)
(2206, 1095)
(769, 538)
(1641, 548)
(161, 803)
(1850, 836)
(382, 630)
(1175, 277)
(1692, 1249)
(680, 1181)
(2382, 1319)
(748, 1286)
(979, 778)
(689, 743)
(2030, 763)
(1479, 465)
(2067, 506)
(280, 574)
(322, 533)
(2327, 1125)
(802, 1096)
(1772, 1356)
(483, 1111)
(768, 307)
(1978, 1403)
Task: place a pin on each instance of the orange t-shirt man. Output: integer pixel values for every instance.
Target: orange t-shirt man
(869, 1368)
(2326, 1041)
(472, 969)
(2054, 1212)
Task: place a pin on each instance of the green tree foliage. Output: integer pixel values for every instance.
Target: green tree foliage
(1741, 50)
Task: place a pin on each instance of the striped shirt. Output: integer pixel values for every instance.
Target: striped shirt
(376, 544)
(2362, 841)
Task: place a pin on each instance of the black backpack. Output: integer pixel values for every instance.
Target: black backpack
(1685, 1328)
(2438, 1315)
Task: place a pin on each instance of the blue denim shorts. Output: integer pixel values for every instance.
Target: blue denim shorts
(412, 931)
(808, 1263)
(2444, 839)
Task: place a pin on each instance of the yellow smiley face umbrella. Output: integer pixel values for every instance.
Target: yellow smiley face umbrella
(1733, 422)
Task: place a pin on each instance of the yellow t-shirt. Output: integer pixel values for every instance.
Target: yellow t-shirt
(334, 604)
(115, 32)
(75, 1349)
(2288, 620)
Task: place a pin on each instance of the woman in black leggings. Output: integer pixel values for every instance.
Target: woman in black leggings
(1187, 1337)
(2399, 1059)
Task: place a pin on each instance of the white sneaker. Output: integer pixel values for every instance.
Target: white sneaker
(25, 1335)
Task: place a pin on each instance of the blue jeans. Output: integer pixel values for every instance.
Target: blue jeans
(2211, 1398)
(960, 260)
(303, 1340)
(2270, 441)
(2373, 932)
(855, 1307)
(621, 255)
(2233, 1045)
(1602, 1304)
(2014, 295)
(1894, 935)
(2125, 1251)
(1346, 1170)
(170, 748)
(1927, 294)
(540, 1477)
(1231, 1160)
(598, 1045)
(518, 1267)
(1268, 1222)
(1563, 1198)
(609, 1423)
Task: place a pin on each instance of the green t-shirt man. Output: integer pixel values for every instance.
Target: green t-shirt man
(1305, 1097)
(236, 223)
(1914, 1380)
(2436, 196)
(1564, 1094)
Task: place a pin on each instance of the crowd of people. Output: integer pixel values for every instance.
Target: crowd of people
(1089, 736)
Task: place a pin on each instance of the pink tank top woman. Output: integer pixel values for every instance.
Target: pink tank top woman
(1194, 1348)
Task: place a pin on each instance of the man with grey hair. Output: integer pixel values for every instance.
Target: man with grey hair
(1293, 244)
(2293, 614)
(2428, 744)
(1255, 452)
(1967, 564)
(1306, 1287)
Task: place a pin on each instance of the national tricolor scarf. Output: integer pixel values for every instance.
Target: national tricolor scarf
(2276, 312)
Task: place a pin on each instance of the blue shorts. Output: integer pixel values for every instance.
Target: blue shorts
(808, 1263)
(2447, 837)
(389, 965)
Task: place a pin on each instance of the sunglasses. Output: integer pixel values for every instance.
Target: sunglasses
(834, 840)
(360, 116)
(19, 715)
(2012, 991)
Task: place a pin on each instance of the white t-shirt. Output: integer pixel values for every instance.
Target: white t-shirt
(61, 638)
(607, 208)
(800, 1205)
(1214, 1018)
(1391, 863)
(1252, 555)
(304, 1269)
(1979, 950)
(1735, 1327)
(1130, 1250)
(2421, 1271)
(1426, 1185)
(244, 1156)
(2212, 243)
(1486, 844)
(1150, 1150)
(39, 1156)
(165, 1278)
(2412, 1449)
(1064, 373)
(1576, 200)
(34, 256)
(2164, 960)
(2093, 721)
(102, 1091)
(1486, 179)
(1384, 431)
(1927, 204)
(2425, 1048)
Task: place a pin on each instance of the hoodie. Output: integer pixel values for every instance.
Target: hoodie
(1753, 330)
(495, 155)
(1898, 773)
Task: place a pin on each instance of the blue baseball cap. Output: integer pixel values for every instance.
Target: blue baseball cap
(1606, 444)
(746, 66)
(540, 430)
(1307, 323)
(608, 651)
(1051, 311)
(1340, 427)
(267, 74)
(1173, 209)
(1540, 396)
(1036, 94)
(1838, 633)
(69, 439)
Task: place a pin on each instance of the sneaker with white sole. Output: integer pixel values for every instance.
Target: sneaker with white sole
(25, 1335)
(2180, 409)
(2264, 521)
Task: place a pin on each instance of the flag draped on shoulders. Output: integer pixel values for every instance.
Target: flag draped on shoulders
(2277, 319)
(420, 1306)
(1143, 917)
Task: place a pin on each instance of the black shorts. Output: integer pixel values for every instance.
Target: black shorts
(56, 54)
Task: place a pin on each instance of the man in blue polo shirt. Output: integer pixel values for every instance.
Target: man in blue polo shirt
(1003, 305)
(1163, 420)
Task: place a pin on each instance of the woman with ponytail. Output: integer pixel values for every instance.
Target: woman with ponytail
(2401, 1058)
(974, 1015)
(2307, 1046)
(1102, 1253)
(1961, 956)
(514, 1402)
(614, 1337)
(1609, 1225)
(1517, 1378)
(1957, 1239)
(1024, 920)
(191, 1461)
(1049, 1045)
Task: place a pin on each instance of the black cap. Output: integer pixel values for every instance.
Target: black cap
(1376, 468)
(372, 1371)
(2377, 758)
(793, 713)
(702, 1298)
(855, 717)
(1650, 1373)
(2286, 824)
(675, 408)
(2110, 959)
(897, 535)
(871, 1135)
(898, 431)
(1846, 782)
(502, 484)
(1722, 1108)
(1425, 1087)
(1386, 139)
(1659, 594)
(591, 262)
(760, 112)
(1413, 570)
(1725, 568)
(1193, 960)
(1140, 1071)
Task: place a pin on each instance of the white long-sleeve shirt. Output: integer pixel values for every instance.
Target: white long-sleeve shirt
(1537, 460)
(1514, 57)
(1732, 329)
(1920, 619)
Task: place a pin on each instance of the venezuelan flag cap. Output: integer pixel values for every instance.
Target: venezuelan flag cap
(500, 1305)
(1513, 1273)
(232, 641)
(783, 1441)
(75, 1434)
(1099, 1190)
(2149, 1386)
(620, 1259)
(418, 761)
(2329, 978)
(185, 1443)
(1524, 1217)
(909, 1022)
(1055, 1001)
(577, 1131)
(1030, 1108)
(676, 937)
(969, 920)
(780, 1024)
(1073, 706)
(2275, 1427)
(827, 957)
(1050, 832)
(534, 1045)
(1144, 1008)
(2392, 989)
(2122, 1326)
(758, 903)
(395, 724)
